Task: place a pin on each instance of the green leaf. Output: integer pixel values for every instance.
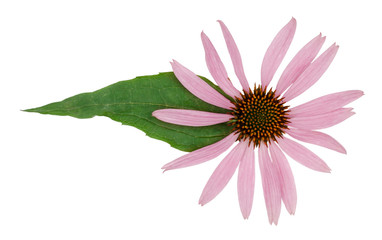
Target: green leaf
(132, 102)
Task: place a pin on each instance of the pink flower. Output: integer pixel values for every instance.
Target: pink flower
(261, 120)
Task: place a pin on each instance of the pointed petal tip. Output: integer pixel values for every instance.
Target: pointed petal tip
(275, 222)
(245, 214)
(292, 24)
(155, 113)
(358, 93)
(335, 45)
(291, 208)
(166, 166)
(325, 169)
(169, 167)
(339, 148)
(320, 37)
(165, 169)
(222, 25)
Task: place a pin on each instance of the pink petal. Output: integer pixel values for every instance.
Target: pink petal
(318, 138)
(223, 173)
(276, 52)
(217, 69)
(287, 185)
(311, 75)
(235, 56)
(246, 181)
(321, 121)
(302, 155)
(299, 63)
(202, 155)
(199, 88)
(190, 117)
(271, 185)
(325, 103)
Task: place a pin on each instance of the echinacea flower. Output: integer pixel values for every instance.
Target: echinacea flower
(261, 118)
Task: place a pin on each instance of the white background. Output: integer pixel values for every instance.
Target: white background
(65, 178)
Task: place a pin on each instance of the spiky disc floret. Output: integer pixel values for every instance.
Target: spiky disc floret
(259, 116)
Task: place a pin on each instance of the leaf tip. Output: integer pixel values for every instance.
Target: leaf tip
(29, 110)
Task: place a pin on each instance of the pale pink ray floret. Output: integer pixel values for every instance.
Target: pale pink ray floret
(303, 71)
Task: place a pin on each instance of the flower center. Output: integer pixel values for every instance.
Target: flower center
(259, 116)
